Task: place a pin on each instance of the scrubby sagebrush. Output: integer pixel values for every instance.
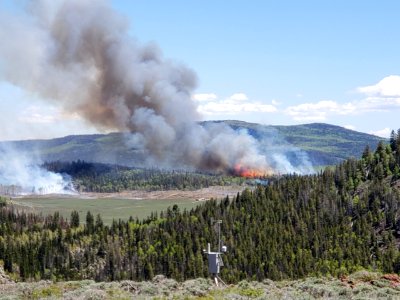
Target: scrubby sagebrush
(162, 288)
(333, 223)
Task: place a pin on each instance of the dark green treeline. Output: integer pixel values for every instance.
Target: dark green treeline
(102, 178)
(335, 222)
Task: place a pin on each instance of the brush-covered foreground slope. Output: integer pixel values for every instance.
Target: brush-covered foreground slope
(325, 144)
(332, 223)
(360, 285)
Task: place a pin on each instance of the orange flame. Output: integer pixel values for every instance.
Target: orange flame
(239, 170)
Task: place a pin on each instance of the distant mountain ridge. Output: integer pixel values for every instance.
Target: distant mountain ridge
(324, 144)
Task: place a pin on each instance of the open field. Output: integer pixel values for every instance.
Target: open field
(108, 208)
(138, 204)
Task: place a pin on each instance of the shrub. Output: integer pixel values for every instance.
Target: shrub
(251, 292)
(3, 201)
(364, 276)
(45, 292)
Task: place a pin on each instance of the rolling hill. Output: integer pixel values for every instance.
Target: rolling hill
(324, 144)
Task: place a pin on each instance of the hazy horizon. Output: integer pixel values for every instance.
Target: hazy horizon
(233, 120)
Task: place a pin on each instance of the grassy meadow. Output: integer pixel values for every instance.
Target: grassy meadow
(108, 208)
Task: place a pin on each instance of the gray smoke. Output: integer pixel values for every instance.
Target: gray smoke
(80, 55)
(21, 173)
(284, 157)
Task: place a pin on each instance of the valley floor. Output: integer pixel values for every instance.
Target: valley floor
(216, 192)
(360, 285)
(137, 203)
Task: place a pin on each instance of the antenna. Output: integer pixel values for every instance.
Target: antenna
(215, 258)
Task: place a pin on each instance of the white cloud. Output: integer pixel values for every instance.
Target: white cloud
(387, 87)
(275, 102)
(235, 104)
(383, 96)
(318, 111)
(238, 97)
(351, 127)
(385, 132)
(34, 114)
(44, 115)
(376, 104)
(204, 97)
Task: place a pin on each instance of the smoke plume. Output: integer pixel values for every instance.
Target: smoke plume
(80, 55)
(21, 174)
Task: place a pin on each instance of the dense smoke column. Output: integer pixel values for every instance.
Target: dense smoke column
(80, 55)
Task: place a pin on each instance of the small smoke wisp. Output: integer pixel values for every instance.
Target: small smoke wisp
(80, 55)
(21, 175)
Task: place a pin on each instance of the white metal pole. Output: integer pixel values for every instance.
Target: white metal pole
(219, 235)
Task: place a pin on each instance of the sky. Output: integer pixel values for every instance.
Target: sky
(270, 62)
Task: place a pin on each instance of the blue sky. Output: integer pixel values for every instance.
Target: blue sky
(271, 62)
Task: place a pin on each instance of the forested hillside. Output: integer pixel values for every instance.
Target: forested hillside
(106, 178)
(324, 144)
(335, 222)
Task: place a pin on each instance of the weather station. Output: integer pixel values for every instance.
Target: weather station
(215, 261)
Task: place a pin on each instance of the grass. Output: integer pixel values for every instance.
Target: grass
(108, 208)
